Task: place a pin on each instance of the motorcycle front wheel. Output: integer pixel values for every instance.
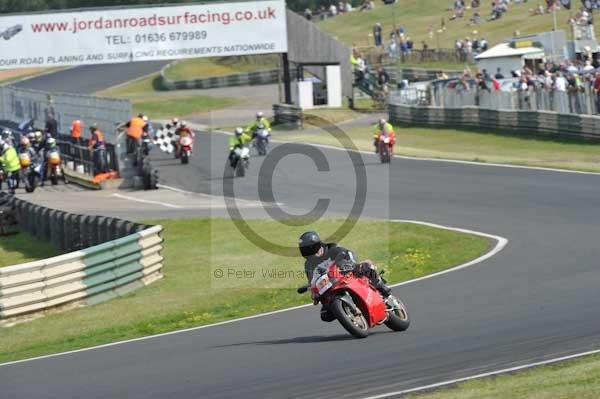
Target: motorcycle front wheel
(384, 152)
(355, 324)
(184, 157)
(30, 183)
(398, 319)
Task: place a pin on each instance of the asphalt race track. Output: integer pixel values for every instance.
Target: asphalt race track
(91, 78)
(535, 300)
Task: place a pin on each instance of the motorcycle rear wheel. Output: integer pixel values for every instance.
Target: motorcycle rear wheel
(184, 157)
(240, 170)
(356, 325)
(398, 319)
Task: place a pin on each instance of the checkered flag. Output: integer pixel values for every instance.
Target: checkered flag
(164, 140)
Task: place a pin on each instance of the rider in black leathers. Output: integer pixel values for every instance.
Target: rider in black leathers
(316, 253)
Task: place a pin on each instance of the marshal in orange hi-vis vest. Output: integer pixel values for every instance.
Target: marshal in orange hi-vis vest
(76, 129)
(136, 126)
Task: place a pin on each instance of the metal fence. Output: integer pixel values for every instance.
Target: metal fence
(84, 159)
(534, 99)
(20, 104)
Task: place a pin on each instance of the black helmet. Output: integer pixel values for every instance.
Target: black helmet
(309, 243)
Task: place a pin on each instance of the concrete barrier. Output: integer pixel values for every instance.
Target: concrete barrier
(513, 121)
(128, 259)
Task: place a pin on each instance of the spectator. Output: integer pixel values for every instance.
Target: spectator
(571, 68)
(441, 75)
(597, 91)
(51, 125)
(96, 145)
(588, 66)
(377, 34)
(483, 45)
(393, 50)
(560, 83)
(135, 129)
(76, 127)
(383, 79)
(498, 74)
(332, 10)
(360, 68)
(496, 84)
(480, 81)
(308, 14)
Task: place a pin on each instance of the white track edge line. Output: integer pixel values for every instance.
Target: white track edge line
(483, 375)
(501, 243)
(239, 200)
(143, 201)
(457, 161)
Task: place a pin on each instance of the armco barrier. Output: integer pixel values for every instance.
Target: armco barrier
(129, 258)
(514, 121)
(240, 79)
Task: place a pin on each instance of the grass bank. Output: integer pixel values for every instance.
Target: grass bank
(192, 295)
(475, 145)
(146, 97)
(220, 66)
(576, 379)
(417, 15)
(22, 248)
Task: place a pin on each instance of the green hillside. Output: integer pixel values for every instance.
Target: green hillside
(417, 15)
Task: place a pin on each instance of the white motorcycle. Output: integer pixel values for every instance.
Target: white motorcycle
(241, 160)
(261, 140)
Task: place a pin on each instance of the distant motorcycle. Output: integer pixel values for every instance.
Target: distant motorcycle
(31, 171)
(241, 160)
(354, 302)
(185, 148)
(385, 149)
(54, 169)
(146, 144)
(261, 140)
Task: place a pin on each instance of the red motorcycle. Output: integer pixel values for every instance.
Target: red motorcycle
(354, 302)
(185, 148)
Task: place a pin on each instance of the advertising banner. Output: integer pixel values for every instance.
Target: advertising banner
(142, 34)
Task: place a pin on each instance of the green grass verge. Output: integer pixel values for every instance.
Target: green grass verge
(22, 248)
(362, 107)
(146, 97)
(575, 379)
(165, 107)
(220, 66)
(189, 296)
(476, 145)
(417, 16)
